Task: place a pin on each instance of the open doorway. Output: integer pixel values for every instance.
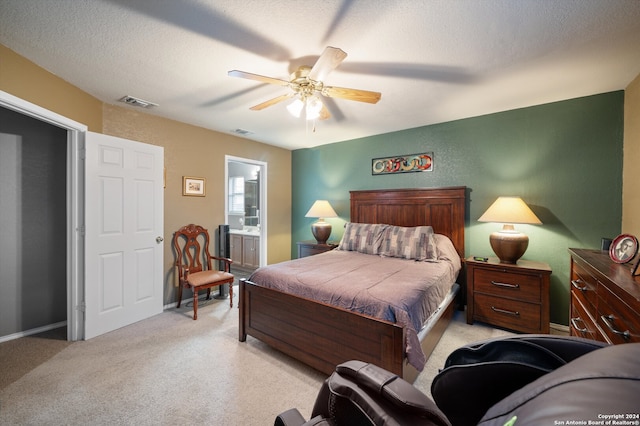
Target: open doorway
(58, 207)
(246, 211)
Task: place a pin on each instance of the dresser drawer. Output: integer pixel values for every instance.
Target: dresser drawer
(508, 313)
(584, 283)
(581, 324)
(608, 293)
(519, 286)
(616, 319)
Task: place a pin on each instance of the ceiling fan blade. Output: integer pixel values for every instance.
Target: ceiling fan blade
(324, 113)
(257, 77)
(271, 102)
(352, 94)
(327, 62)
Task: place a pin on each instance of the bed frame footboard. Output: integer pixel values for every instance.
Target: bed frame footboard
(319, 335)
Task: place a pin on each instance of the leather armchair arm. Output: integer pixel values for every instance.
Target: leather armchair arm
(290, 417)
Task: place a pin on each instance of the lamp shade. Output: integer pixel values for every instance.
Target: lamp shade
(321, 230)
(508, 244)
(510, 210)
(322, 209)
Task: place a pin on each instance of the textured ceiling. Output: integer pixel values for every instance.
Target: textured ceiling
(432, 60)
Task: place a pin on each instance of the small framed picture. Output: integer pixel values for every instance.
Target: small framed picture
(623, 248)
(193, 186)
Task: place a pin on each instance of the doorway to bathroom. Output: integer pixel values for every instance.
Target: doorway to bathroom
(246, 211)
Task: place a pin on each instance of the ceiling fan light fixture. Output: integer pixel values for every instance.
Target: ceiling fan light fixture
(314, 106)
(306, 84)
(295, 107)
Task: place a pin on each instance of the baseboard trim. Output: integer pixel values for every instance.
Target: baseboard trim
(559, 329)
(32, 331)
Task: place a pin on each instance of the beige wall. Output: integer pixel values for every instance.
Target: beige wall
(24, 79)
(189, 151)
(630, 168)
(194, 151)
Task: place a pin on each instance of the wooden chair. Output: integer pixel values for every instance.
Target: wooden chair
(191, 257)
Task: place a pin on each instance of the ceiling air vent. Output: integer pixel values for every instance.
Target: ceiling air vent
(242, 132)
(137, 102)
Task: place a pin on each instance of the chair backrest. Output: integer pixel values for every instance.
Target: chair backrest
(362, 394)
(191, 243)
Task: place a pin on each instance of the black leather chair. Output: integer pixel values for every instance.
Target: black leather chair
(483, 373)
(601, 387)
(361, 394)
(518, 380)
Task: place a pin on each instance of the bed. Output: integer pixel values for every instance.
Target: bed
(323, 335)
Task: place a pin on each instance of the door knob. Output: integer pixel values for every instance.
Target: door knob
(159, 240)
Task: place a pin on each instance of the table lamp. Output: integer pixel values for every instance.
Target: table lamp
(508, 244)
(321, 229)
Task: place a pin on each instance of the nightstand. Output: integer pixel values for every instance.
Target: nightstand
(309, 248)
(515, 297)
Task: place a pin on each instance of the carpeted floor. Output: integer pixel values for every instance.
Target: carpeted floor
(170, 369)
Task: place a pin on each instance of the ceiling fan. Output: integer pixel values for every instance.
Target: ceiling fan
(306, 83)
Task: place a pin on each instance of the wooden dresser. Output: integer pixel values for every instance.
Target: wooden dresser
(510, 296)
(605, 298)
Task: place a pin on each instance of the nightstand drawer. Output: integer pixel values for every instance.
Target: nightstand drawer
(508, 313)
(305, 251)
(508, 284)
(311, 248)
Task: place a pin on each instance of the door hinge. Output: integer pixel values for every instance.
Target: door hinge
(82, 153)
(82, 307)
(81, 230)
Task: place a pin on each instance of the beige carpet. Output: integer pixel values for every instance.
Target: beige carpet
(170, 369)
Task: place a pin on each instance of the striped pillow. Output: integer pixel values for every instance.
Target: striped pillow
(362, 237)
(409, 243)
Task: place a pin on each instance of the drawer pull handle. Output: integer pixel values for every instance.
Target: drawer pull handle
(608, 319)
(504, 311)
(507, 285)
(576, 284)
(574, 323)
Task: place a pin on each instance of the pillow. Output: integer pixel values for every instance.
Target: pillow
(416, 243)
(447, 251)
(362, 237)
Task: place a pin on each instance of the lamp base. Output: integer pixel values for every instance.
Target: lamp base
(321, 230)
(509, 246)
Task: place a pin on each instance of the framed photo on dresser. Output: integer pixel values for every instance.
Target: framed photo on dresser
(623, 248)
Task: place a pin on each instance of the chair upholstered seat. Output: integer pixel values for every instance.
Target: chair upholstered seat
(201, 278)
(194, 265)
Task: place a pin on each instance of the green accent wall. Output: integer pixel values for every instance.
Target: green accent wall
(564, 159)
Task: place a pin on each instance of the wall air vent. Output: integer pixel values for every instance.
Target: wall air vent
(242, 132)
(137, 102)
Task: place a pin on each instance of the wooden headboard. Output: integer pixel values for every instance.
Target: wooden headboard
(442, 208)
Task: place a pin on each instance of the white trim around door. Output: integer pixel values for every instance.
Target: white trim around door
(75, 203)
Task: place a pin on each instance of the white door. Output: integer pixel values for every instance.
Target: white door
(124, 231)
